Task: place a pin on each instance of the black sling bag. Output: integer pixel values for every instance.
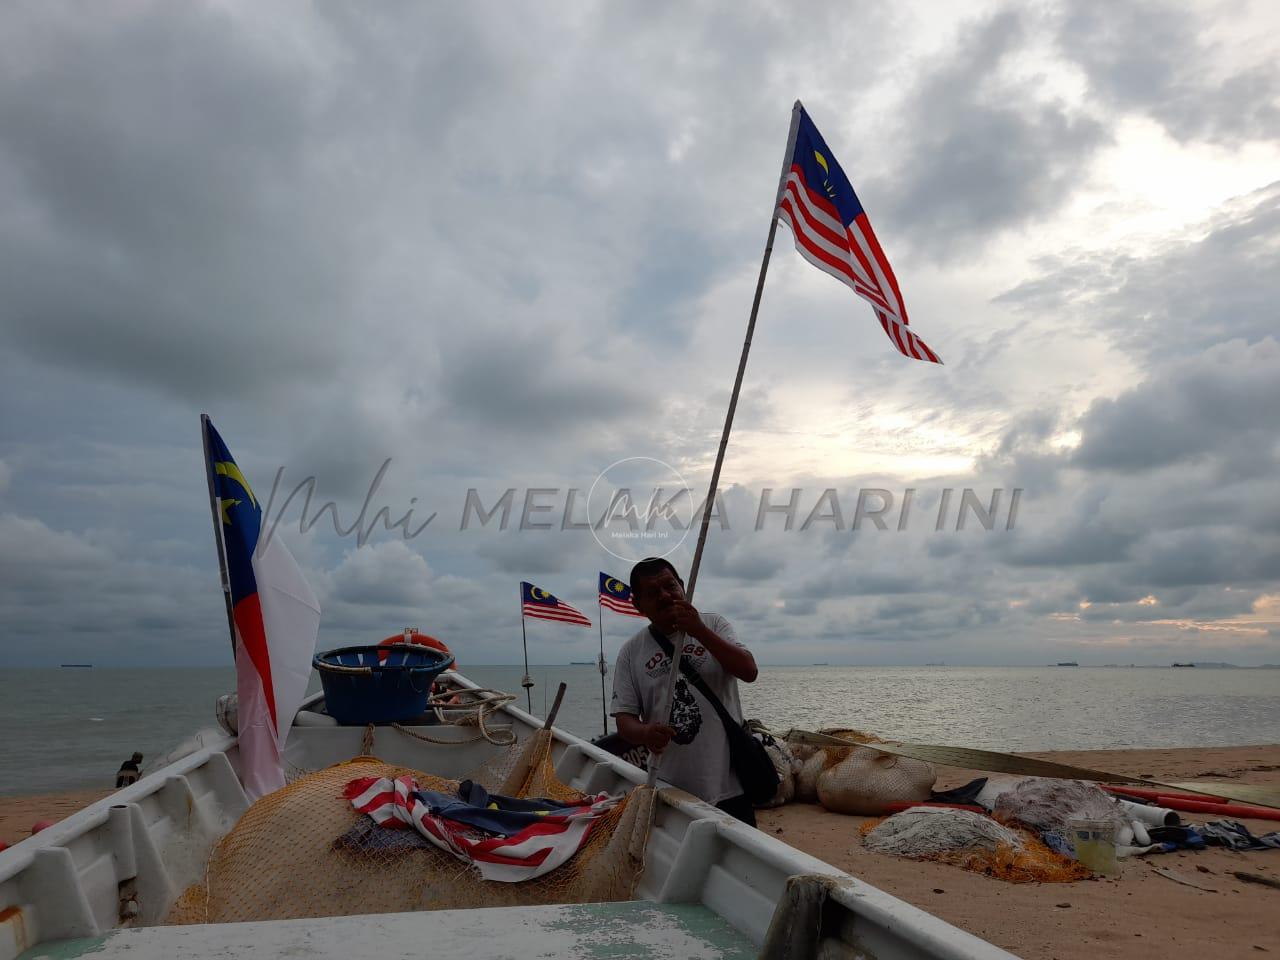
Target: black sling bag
(747, 755)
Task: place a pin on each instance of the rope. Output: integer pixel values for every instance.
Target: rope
(426, 739)
(366, 742)
(483, 704)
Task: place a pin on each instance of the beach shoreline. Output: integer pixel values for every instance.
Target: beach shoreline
(1139, 914)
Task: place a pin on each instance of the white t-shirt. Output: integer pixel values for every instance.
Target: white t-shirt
(697, 758)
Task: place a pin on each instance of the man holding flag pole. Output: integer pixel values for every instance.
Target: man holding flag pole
(693, 736)
(832, 231)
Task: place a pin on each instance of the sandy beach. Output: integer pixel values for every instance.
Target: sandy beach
(18, 813)
(1139, 914)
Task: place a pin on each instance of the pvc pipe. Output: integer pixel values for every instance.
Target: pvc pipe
(1149, 816)
(1221, 809)
(1140, 836)
(1147, 793)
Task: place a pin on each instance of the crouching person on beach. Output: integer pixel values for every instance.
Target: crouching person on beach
(694, 747)
(129, 771)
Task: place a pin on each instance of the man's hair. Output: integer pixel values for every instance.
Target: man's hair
(652, 567)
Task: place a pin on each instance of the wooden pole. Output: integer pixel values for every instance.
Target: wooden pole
(742, 361)
(677, 642)
(527, 682)
(217, 529)
(550, 718)
(604, 703)
(677, 648)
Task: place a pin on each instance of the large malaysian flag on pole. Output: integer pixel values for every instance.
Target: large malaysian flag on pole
(833, 233)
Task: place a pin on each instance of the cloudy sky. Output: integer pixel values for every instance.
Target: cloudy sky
(506, 248)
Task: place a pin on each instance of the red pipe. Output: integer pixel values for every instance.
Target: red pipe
(1219, 809)
(1146, 793)
(899, 805)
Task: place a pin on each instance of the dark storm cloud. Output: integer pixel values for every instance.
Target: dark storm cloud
(1224, 399)
(1152, 58)
(155, 215)
(504, 251)
(76, 598)
(985, 153)
(522, 381)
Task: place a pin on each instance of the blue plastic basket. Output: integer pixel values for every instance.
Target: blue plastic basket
(360, 687)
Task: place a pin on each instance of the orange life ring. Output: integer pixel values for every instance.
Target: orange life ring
(413, 636)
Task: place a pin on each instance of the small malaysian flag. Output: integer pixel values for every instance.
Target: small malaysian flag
(537, 603)
(616, 596)
(833, 233)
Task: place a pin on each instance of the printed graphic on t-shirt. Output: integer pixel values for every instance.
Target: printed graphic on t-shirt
(686, 718)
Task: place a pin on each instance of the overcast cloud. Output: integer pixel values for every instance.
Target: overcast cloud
(506, 251)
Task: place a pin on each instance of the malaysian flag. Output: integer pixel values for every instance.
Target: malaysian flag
(537, 603)
(616, 595)
(833, 233)
(506, 839)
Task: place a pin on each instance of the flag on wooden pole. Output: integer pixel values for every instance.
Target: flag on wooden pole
(540, 605)
(275, 620)
(832, 232)
(615, 595)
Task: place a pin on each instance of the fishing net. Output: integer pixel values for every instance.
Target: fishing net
(971, 841)
(856, 780)
(1047, 804)
(812, 760)
(305, 851)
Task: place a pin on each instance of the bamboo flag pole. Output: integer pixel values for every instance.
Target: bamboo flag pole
(217, 529)
(604, 702)
(527, 682)
(677, 641)
(742, 361)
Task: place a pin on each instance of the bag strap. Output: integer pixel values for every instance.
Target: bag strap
(695, 678)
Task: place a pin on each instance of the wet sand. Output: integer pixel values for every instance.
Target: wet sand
(1139, 914)
(17, 814)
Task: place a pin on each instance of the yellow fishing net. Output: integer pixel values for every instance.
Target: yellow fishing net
(305, 851)
(1028, 860)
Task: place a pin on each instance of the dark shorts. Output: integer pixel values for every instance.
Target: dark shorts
(739, 807)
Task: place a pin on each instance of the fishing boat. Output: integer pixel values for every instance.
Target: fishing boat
(104, 882)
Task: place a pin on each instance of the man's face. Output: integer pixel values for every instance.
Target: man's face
(655, 597)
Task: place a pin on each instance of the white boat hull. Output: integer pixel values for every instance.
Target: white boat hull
(136, 850)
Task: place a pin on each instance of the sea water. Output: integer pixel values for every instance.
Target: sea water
(63, 729)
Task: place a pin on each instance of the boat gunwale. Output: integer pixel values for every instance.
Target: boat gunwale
(925, 932)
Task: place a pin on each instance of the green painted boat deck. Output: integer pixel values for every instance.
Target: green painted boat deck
(636, 930)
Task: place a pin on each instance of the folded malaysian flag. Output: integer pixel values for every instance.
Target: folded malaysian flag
(506, 838)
